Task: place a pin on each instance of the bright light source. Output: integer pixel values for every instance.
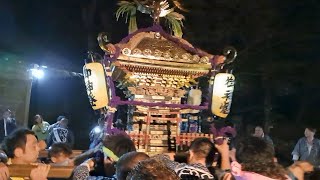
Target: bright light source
(97, 130)
(37, 73)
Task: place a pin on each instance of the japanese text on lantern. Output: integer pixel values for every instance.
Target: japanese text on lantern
(89, 86)
(222, 94)
(95, 80)
(226, 104)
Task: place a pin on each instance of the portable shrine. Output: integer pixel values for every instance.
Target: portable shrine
(159, 74)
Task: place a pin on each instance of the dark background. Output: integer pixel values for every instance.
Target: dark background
(276, 69)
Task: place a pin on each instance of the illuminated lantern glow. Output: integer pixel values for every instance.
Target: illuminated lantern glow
(223, 88)
(194, 98)
(95, 81)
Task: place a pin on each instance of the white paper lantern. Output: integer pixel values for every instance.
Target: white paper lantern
(222, 94)
(95, 81)
(194, 98)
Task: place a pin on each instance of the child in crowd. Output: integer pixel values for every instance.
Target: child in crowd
(60, 154)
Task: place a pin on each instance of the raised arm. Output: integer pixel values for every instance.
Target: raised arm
(224, 152)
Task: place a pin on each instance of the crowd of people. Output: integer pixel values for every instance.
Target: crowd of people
(115, 156)
(55, 133)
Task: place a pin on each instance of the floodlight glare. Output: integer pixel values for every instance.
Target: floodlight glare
(37, 73)
(97, 130)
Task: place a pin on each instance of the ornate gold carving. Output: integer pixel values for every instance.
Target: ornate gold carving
(204, 59)
(196, 58)
(183, 66)
(157, 53)
(157, 91)
(171, 51)
(157, 35)
(167, 55)
(161, 80)
(147, 52)
(187, 57)
(126, 51)
(137, 51)
(176, 57)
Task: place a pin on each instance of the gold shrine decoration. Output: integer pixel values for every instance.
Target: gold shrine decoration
(95, 81)
(157, 91)
(222, 94)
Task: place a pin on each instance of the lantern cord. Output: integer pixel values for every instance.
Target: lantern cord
(90, 56)
(93, 56)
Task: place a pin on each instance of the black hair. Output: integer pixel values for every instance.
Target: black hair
(17, 139)
(127, 162)
(201, 147)
(37, 116)
(60, 118)
(119, 144)
(314, 130)
(58, 148)
(260, 126)
(152, 169)
(256, 155)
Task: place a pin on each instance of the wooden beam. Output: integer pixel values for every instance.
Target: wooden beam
(16, 170)
(44, 153)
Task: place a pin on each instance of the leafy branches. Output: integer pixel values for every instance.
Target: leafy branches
(157, 9)
(175, 23)
(129, 10)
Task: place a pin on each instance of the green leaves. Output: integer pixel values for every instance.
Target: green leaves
(175, 22)
(129, 10)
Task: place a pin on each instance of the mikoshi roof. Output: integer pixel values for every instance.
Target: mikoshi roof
(153, 46)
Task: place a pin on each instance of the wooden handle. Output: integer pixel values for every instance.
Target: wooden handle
(55, 171)
(44, 153)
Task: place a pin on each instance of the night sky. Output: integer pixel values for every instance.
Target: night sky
(277, 41)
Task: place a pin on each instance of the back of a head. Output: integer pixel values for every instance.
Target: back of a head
(257, 155)
(152, 169)
(127, 162)
(63, 123)
(119, 144)
(202, 147)
(60, 117)
(253, 149)
(60, 148)
(17, 139)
